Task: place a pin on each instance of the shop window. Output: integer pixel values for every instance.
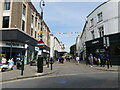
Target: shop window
(115, 49)
(7, 5)
(5, 22)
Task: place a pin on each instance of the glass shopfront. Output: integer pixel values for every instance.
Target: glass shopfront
(97, 48)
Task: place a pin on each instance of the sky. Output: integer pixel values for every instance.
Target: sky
(66, 17)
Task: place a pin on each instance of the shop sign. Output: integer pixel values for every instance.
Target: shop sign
(94, 42)
(12, 44)
(102, 50)
(36, 49)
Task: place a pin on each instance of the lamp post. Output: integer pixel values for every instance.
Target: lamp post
(23, 56)
(40, 57)
(11, 51)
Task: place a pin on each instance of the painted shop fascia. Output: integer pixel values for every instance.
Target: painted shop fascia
(13, 40)
(96, 47)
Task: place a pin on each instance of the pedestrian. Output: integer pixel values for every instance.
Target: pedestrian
(78, 59)
(91, 60)
(101, 60)
(47, 61)
(98, 62)
(11, 64)
(95, 61)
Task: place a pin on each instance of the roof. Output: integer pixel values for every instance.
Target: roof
(98, 7)
(33, 8)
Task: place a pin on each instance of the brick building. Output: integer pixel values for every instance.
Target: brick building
(20, 27)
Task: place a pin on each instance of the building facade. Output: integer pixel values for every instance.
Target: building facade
(56, 47)
(20, 29)
(103, 31)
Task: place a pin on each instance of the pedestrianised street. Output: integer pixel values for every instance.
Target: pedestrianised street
(69, 75)
(59, 44)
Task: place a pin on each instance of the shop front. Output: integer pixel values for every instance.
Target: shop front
(15, 44)
(97, 48)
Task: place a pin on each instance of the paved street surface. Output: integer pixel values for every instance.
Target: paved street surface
(69, 75)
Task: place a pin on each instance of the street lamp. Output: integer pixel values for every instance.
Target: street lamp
(42, 3)
(40, 57)
(23, 56)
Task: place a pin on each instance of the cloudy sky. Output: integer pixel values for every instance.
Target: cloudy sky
(67, 16)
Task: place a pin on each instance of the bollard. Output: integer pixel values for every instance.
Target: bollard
(40, 64)
(48, 65)
(51, 65)
(22, 69)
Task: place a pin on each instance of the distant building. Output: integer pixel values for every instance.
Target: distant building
(102, 33)
(56, 47)
(20, 27)
(80, 43)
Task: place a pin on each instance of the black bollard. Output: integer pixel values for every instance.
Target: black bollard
(51, 65)
(22, 69)
(108, 64)
(48, 65)
(40, 64)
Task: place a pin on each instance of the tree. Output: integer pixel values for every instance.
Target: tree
(73, 49)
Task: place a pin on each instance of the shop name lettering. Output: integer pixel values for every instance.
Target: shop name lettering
(95, 42)
(13, 44)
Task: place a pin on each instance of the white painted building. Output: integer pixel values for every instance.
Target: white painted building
(103, 20)
(55, 46)
(102, 23)
(80, 43)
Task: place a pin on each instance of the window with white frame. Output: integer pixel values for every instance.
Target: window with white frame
(38, 26)
(7, 5)
(35, 34)
(101, 31)
(36, 22)
(93, 34)
(32, 19)
(100, 17)
(92, 22)
(5, 22)
(24, 10)
(23, 25)
(31, 33)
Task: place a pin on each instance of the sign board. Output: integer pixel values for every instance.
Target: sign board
(40, 44)
(36, 49)
(39, 52)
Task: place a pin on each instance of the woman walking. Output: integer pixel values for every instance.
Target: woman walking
(78, 59)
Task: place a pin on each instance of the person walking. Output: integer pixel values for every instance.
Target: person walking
(101, 60)
(91, 60)
(78, 59)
